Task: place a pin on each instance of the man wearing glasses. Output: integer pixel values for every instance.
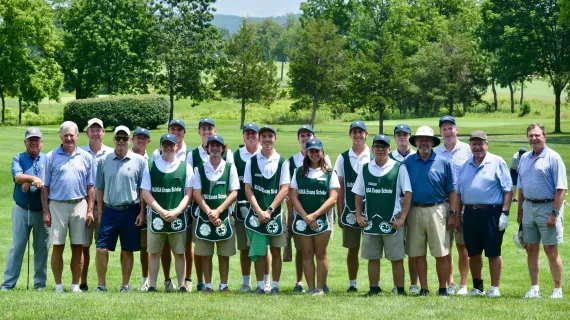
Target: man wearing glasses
(118, 182)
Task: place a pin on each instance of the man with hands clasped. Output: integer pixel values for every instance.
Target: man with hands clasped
(381, 182)
(484, 187)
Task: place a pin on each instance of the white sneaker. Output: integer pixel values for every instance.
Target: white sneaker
(476, 292)
(267, 287)
(462, 290)
(169, 286)
(451, 290)
(5, 289)
(414, 289)
(395, 290)
(494, 294)
(245, 288)
(75, 290)
(188, 285)
(60, 290)
(557, 295)
(144, 286)
(532, 294)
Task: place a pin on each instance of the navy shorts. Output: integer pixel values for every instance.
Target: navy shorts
(481, 231)
(119, 225)
(514, 177)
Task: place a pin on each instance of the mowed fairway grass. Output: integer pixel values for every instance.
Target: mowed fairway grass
(506, 136)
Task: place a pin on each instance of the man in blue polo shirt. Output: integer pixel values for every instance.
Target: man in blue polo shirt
(27, 170)
(428, 219)
(485, 188)
(542, 186)
(67, 202)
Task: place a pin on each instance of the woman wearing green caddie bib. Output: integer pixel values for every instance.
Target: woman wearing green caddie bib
(314, 190)
(215, 185)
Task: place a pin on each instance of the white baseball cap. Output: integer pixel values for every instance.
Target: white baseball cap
(122, 128)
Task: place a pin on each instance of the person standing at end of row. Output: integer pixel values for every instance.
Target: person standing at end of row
(484, 188)
(515, 170)
(542, 186)
(67, 202)
(28, 171)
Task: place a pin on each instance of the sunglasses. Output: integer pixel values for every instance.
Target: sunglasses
(122, 138)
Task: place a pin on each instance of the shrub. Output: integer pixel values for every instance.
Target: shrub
(148, 111)
(525, 109)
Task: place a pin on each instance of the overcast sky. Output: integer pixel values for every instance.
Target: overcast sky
(257, 8)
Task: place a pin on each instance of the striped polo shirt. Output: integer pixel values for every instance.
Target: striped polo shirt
(540, 177)
(68, 176)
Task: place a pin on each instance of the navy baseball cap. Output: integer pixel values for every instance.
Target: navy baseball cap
(268, 128)
(444, 119)
(358, 124)
(168, 137)
(403, 128)
(177, 122)
(314, 144)
(305, 128)
(522, 150)
(382, 138)
(141, 131)
(215, 137)
(33, 132)
(250, 126)
(204, 121)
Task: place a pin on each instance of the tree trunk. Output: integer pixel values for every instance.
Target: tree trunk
(282, 67)
(522, 92)
(495, 102)
(451, 101)
(20, 109)
(557, 93)
(512, 97)
(79, 80)
(3, 106)
(171, 92)
(380, 119)
(242, 122)
(417, 107)
(314, 113)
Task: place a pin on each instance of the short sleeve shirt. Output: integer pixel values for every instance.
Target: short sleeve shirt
(485, 184)
(215, 174)
(431, 180)
(268, 167)
(540, 177)
(121, 179)
(68, 176)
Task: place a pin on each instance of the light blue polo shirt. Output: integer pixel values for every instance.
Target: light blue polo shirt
(120, 179)
(485, 184)
(431, 180)
(539, 178)
(456, 157)
(68, 176)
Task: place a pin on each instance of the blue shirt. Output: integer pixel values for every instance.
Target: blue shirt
(456, 157)
(68, 176)
(540, 177)
(485, 184)
(431, 180)
(24, 164)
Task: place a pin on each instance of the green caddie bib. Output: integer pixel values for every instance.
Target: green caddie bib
(242, 205)
(312, 194)
(380, 195)
(196, 161)
(168, 190)
(214, 193)
(265, 191)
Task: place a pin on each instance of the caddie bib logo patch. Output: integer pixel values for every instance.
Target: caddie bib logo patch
(176, 224)
(205, 230)
(254, 221)
(272, 227)
(351, 218)
(221, 230)
(386, 227)
(157, 223)
(301, 225)
(369, 226)
(321, 225)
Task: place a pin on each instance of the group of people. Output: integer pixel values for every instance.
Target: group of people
(194, 203)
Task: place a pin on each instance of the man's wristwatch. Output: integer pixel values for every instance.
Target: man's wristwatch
(270, 209)
(453, 212)
(505, 212)
(555, 212)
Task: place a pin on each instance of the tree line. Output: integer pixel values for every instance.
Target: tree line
(408, 56)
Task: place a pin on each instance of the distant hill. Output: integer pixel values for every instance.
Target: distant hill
(232, 23)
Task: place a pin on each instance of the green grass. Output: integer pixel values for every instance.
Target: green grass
(507, 135)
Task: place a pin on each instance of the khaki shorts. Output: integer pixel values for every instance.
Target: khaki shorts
(225, 248)
(428, 226)
(66, 216)
(156, 241)
(351, 237)
(279, 241)
(92, 232)
(392, 246)
(241, 235)
(535, 230)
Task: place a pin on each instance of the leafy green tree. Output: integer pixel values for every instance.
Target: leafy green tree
(338, 12)
(317, 70)
(27, 46)
(242, 74)
(185, 48)
(268, 34)
(287, 40)
(108, 44)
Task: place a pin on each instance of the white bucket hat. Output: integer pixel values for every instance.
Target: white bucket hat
(425, 131)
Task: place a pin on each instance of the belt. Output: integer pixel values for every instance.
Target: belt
(481, 206)
(124, 207)
(70, 201)
(539, 200)
(426, 205)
